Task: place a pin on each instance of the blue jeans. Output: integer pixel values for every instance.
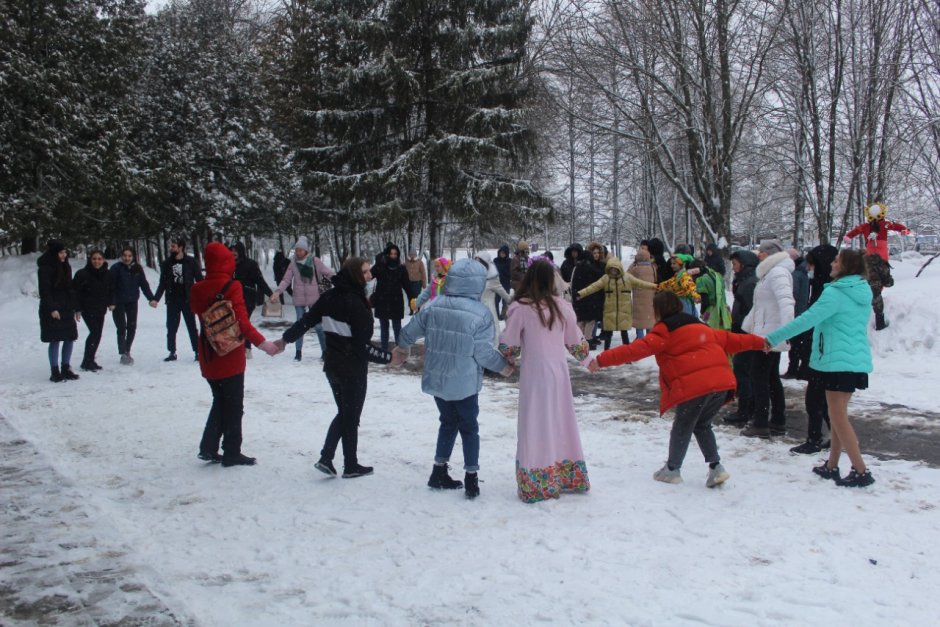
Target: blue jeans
(66, 354)
(383, 331)
(300, 310)
(459, 416)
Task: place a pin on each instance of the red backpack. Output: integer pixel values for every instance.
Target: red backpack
(220, 326)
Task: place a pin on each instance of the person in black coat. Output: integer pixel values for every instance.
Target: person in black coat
(503, 263)
(714, 260)
(281, 264)
(58, 314)
(664, 270)
(744, 263)
(178, 273)
(573, 255)
(589, 309)
(254, 287)
(92, 293)
(347, 322)
(391, 279)
(127, 280)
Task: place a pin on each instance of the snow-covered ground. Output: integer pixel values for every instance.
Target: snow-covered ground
(281, 544)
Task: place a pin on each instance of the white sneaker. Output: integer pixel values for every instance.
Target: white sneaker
(667, 476)
(716, 476)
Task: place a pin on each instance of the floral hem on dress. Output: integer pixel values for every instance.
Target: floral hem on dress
(538, 484)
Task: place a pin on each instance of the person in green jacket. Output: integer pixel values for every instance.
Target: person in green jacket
(710, 286)
(841, 354)
(618, 289)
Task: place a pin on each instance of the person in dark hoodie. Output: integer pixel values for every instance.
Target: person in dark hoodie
(127, 282)
(800, 345)
(713, 259)
(178, 273)
(573, 255)
(92, 292)
(255, 288)
(391, 279)
(657, 249)
(225, 374)
(347, 323)
(819, 270)
(744, 263)
(503, 263)
(58, 315)
(281, 263)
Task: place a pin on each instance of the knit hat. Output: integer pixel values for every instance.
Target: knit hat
(445, 263)
(302, 244)
(54, 246)
(770, 246)
(522, 245)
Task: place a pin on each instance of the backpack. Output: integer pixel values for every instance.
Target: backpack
(219, 326)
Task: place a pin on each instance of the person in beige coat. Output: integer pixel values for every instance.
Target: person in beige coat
(618, 289)
(644, 270)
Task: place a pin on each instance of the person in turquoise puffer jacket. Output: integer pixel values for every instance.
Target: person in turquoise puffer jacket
(841, 354)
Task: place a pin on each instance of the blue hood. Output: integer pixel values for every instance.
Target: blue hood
(854, 287)
(466, 278)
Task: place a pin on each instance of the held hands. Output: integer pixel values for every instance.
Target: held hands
(694, 271)
(275, 297)
(507, 371)
(110, 307)
(399, 357)
(55, 315)
(413, 303)
(281, 345)
(270, 348)
(593, 366)
(78, 316)
(767, 346)
(154, 304)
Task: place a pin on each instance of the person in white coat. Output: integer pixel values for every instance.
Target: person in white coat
(492, 290)
(773, 308)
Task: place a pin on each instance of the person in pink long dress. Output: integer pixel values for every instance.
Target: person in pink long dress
(543, 329)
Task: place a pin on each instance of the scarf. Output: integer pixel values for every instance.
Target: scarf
(306, 267)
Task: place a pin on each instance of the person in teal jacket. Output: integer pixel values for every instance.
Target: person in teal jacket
(841, 354)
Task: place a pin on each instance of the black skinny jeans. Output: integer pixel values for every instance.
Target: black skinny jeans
(349, 392)
(768, 390)
(225, 417)
(95, 323)
(125, 320)
(742, 363)
(817, 409)
(608, 336)
(176, 308)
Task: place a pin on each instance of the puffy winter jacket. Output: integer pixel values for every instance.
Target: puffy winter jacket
(391, 279)
(643, 317)
(742, 286)
(92, 289)
(305, 291)
(220, 266)
(618, 295)
(127, 282)
(773, 297)
(692, 357)
(493, 289)
(458, 331)
(839, 320)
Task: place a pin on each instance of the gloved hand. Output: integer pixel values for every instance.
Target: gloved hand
(413, 303)
(269, 347)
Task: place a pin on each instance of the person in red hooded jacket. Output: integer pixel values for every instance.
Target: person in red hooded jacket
(694, 375)
(224, 373)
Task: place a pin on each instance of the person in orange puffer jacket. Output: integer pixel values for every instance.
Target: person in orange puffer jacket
(694, 375)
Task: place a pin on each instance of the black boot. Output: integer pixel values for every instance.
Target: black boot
(297, 355)
(238, 460)
(67, 373)
(87, 366)
(472, 483)
(170, 357)
(880, 322)
(56, 375)
(441, 480)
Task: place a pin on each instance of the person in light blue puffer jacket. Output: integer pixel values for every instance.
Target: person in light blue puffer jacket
(841, 354)
(458, 332)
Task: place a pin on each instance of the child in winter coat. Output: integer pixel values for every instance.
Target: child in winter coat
(682, 283)
(644, 270)
(435, 287)
(695, 377)
(618, 299)
(458, 332)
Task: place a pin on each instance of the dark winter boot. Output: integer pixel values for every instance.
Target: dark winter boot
(170, 357)
(56, 375)
(441, 480)
(810, 447)
(880, 322)
(472, 483)
(297, 355)
(68, 374)
(87, 366)
(238, 460)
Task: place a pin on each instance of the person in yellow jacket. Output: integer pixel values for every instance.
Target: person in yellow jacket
(618, 289)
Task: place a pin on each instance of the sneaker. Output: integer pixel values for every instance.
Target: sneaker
(68, 374)
(351, 472)
(96, 366)
(856, 479)
(170, 357)
(326, 467)
(776, 429)
(127, 360)
(213, 458)
(472, 483)
(824, 471)
(809, 447)
(751, 431)
(238, 460)
(666, 475)
(441, 480)
(716, 476)
(87, 367)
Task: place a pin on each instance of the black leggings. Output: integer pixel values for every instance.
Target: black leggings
(95, 323)
(225, 417)
(349, 392)
(125, 319)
